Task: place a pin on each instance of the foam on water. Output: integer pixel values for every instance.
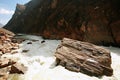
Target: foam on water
(40, 61)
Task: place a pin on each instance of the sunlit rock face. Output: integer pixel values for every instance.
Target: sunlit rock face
(96, 21)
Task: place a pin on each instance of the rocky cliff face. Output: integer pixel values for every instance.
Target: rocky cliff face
(96, 21)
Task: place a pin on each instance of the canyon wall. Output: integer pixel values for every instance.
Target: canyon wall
(96, 21)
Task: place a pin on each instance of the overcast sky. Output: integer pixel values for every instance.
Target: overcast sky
(7, 8)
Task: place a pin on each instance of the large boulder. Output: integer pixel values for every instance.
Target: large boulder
(84, 57)
(96, 21)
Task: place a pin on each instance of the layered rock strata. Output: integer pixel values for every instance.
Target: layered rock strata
(84, 57)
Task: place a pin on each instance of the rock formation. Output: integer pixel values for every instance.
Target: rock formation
(8, 45)
(96, 21)
(84, 57)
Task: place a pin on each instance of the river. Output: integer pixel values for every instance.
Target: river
(40, 61)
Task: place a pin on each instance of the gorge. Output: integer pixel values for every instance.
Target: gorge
(95, 21)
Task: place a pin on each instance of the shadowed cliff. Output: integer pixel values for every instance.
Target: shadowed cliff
(96, 21)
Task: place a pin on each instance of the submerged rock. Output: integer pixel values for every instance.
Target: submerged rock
(84, 57)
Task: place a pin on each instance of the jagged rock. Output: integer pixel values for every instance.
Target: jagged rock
(4, 77)
(43, 41)
(84, 57)
(1, 53)
(10, 66)
(17, 40)
(4, 73)
(25, 51)
(86, 20)
(14, 52)
(5, 62)
(6, 44)
(20, 8)
(29, 43)
(34, 40)
(5, 66)
(18, 68)
(9, 33)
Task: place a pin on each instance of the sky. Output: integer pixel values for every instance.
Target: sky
(7, 8)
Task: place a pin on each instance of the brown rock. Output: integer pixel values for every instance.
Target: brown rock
(5, 62)
(7, 32)
(4, 77)
(18, 40)
(8, 66)
(116, 31)
(6, 44)
(14, 52)
(35, 40)
(97, 34)
(25, 51)
(86, 20)
(43, 41)
(29, 43)
(1, 53)
(84, 57)
(18, 68)
(4, 71)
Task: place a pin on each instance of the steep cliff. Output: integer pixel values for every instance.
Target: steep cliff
(96, 21)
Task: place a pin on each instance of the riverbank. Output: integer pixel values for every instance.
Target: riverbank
(38, 55)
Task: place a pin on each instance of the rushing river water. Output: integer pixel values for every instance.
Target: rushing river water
(40, 61)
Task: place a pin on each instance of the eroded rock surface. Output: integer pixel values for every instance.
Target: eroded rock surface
(9, 45)
(84, 57)
(18, 68)
(96, 21)
(6, 44)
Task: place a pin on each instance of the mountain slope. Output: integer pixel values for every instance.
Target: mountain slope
(95, 21)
